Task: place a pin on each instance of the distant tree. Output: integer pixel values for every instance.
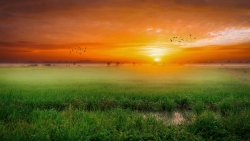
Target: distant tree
(33, 65)
(134, 63)
(47, 64)
(117, 63)
(108, 63)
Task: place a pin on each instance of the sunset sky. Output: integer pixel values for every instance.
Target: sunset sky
(124, 30)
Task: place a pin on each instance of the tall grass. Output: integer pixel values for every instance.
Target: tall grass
(108, 103)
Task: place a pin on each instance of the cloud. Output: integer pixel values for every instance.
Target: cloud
(244, 48)
(225, 37)
(119, 24)
(30, 46)
(214, 4)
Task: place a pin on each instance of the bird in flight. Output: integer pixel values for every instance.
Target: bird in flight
(77, 50)
(182, 39)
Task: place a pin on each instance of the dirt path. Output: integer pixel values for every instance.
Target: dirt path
(174, 118)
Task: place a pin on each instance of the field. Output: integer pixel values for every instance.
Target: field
(125, 103)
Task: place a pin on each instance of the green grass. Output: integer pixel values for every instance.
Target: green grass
(120, 103)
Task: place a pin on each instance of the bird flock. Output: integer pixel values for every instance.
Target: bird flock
(80, 50)
(77, 50)
(182, 39)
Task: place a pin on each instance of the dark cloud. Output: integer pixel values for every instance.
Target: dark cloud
(29, 46)
(214, 4)
(242, 47)
(40, 8)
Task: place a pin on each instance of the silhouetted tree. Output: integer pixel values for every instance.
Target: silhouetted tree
(108, 63)
(47, 64)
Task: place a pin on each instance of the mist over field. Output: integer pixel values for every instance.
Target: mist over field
(126, 102)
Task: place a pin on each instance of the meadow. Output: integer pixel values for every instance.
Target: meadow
(125, 103)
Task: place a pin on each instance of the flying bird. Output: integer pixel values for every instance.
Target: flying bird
(182, 39)
(77, 50)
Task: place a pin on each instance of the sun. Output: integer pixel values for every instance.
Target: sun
(157, 59)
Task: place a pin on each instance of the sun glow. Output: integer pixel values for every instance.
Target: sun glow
(157, 59)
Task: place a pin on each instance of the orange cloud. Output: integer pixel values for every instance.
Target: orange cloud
(121, 29)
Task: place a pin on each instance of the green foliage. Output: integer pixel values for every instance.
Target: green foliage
(123, 103)
(238, 124)
(198, 107)
(208, 125)
(182, 103)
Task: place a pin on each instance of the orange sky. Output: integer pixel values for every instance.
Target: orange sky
(124, 30)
